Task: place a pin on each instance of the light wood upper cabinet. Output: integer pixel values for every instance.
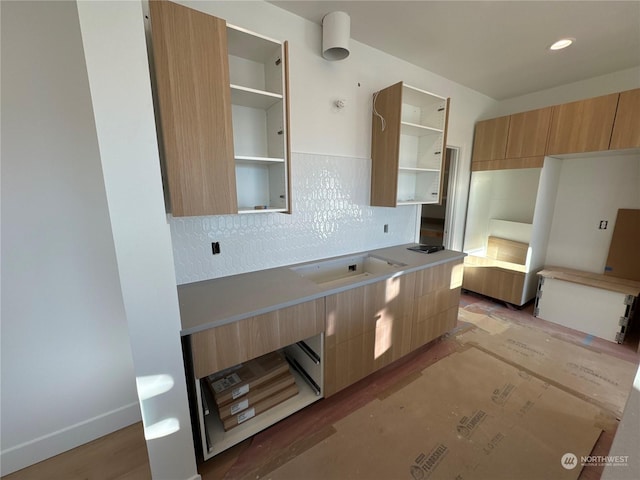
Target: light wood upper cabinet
(408, 140)
(626, 127)
(490, 140)
(583, 126)
(514, 141)
(528, 133)
(223, 103)
(192, 86)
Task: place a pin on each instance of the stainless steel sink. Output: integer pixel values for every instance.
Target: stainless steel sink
(347, 269)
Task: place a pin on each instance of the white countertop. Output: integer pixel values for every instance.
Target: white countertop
(211, 303)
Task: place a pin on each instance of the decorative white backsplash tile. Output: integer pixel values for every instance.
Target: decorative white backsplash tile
(331, 216)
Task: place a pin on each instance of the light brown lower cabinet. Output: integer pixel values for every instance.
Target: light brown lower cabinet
(495, 282)
(221, 347)
(367, 328)
(330, 343)
(372, 326)
(437, 297)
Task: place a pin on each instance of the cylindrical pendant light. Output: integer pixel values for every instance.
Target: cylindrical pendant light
(336, 29)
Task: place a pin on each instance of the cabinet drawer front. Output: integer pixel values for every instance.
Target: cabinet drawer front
(228, 345)
(192, 76)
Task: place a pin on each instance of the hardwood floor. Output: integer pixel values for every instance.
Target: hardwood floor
(123, 455)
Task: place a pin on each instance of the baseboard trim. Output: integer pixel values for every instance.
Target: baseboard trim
(34, 451)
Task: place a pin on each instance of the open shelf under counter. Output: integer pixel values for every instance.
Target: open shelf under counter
(253, 98)
(221, 440)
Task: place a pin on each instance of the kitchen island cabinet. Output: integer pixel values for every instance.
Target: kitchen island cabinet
(333, 332)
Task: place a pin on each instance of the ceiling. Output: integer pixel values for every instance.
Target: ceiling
(499, 48)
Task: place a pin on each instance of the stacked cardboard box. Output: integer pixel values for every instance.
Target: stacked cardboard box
(252, 388)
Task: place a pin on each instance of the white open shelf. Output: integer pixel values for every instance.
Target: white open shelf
(418, 186)
(422, 108)
(258, 160)
(221, 440)
(418, 130)
(256, 73)
(260, 184)
(254, 98)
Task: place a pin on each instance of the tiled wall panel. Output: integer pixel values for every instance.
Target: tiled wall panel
(331, 216)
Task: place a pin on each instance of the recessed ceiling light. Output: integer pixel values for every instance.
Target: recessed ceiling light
(562, 43)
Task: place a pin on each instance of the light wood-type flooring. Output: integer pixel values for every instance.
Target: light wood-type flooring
(123, 454)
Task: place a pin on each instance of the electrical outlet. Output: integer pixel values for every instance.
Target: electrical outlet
(603, 225)
(215, 248)
(386, 228)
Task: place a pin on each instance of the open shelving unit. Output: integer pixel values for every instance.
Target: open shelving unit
(408, 146)
(259, 104)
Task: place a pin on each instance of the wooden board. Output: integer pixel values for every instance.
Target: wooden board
(509, 163)
(597, 280)
(506, 250)
(626, 127)
(624, 252)
(385, 145)
(582, 126)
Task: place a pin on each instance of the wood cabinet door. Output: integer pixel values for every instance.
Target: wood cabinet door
(528, 133)
(626, 127)
(228, 345)
(436, 302)
(194, 99)
(385, 145)
(366, 328)
(583, 126)
(490, 139)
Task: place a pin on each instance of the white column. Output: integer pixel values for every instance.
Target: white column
(117, 65)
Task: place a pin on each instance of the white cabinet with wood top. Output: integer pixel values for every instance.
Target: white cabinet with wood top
(222, 94)
(408, 140)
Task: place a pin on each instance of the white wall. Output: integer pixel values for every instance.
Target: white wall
(592, 87)
(499, 195)
(333, 137)
(116, 56)
(67, 370)
(591, 189)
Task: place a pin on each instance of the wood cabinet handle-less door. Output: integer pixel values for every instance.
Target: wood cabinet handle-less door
(192, 86)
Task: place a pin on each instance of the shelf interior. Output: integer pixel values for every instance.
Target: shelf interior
(253, 98)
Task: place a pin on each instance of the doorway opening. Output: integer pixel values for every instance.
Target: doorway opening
(436, 221)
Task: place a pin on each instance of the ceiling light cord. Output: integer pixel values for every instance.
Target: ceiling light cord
(375, 112)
